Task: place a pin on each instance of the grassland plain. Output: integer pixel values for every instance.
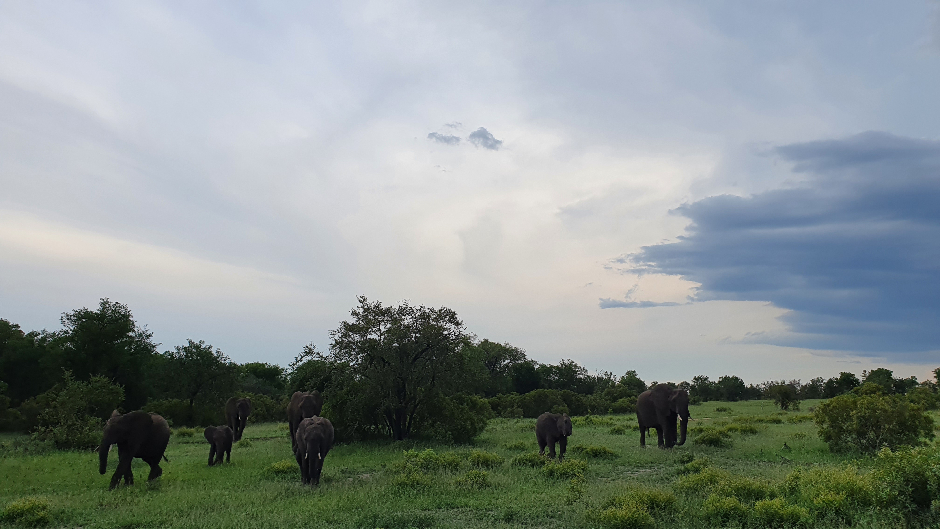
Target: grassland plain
(609, 480)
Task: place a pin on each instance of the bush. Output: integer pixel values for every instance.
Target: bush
(531, 460)
(778, 513)
(265, 408)
(655, 500)
(629, 516)
(184, 432)
(31, 512)
(517, 445)
(924, 397)
(839, 492)
(76, 410)
(910, 478)
(479, 458)
(285, 468)
(624, 405)
(869, 422)
(785, 396)
(457, 419)
(713, 437)
(473, 479)
(567, 469)
(723, 510)
(617, 430)
(429, 461)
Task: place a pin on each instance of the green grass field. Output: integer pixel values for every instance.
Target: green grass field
(377, 485)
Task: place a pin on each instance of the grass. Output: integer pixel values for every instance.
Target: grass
(499, 481)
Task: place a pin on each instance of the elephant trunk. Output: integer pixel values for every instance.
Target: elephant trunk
(683, 426)
(103, 450)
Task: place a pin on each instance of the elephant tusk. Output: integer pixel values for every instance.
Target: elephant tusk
(305, 456)
(320, 456)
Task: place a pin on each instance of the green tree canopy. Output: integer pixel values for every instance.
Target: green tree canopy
(408, 356)
(196, 371)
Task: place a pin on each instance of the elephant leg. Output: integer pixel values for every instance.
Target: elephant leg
(659, 436)
(228, 455)
(123, 469)
(551, 448)
(316, 479)
(155, 470)
(642, 437)
(211, 454)
(562, 446)
(542, 444)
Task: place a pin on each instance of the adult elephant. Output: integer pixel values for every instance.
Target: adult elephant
(302, 406)
(236, 415)
(220, 441)
(551, 428)
(137, 434)
(313, 440)
(659, 408)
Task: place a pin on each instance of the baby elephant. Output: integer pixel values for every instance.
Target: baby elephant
(551, 427)
(313, 439)
(220, 441)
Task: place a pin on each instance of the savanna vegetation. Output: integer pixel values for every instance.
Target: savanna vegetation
(435, 428)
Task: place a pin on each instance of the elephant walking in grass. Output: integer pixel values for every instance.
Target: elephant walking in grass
(659, 408)
(302, 405)
(137, 434)
(312, 441)
(220, 441)
(236, 415)
(551, 428)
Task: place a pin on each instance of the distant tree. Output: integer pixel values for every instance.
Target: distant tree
(732, 388)
(814, 389)
(881, 376)
(902, 385)
(197, 371)
(785, 396)
(631, 381)
(525, 377)
(497, 360)
(408, 357)
(702, 389)
(107, 342)
(30, 363)
(868, 420)
(568, 374)
(842, 384)
(261, 378)
(311, 371)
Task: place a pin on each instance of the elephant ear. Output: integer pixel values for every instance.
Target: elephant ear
(249, 404)
(209, 433)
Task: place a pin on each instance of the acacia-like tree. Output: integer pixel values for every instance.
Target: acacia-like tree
(405, 356)
(196, 370)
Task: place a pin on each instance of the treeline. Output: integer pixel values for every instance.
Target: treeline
(398, 371)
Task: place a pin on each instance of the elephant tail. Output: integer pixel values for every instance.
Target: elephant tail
(165, 459)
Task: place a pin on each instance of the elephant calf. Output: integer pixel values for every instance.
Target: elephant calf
(220, 442)
(552, 427)
(312, 441)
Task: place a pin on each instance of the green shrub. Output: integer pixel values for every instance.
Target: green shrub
(412, 479)
(713, 437)
(721, 409)
(630, 516)
(655, 500)
(778, 513)
(741, 428)
(909, 478)
(593, 420)
(244, 443)
(575, 490)
(473, 479)
(532, 460)
(705, 480)
(869, 422)
(479, 458)
(567, 469)
(75, 411)
(617, 430)
(184, 432)
(693, 465)
(30, 511)
(398, 520)
(785, 396)
(285, 468)
(745, 489)
(840, 492)
(429, 461)
(458, 418)
(624, 405)
(924, 397)
(796, 419)
(721, 510)
(597, 452)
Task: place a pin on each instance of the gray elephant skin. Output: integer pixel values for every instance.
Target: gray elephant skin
(137, 434)
(236, 415)
(551, 428)
(302, 406)
(220, 442)
(659, 408)
(312, 441)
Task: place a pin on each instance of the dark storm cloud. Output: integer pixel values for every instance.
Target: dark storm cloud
(444, 138)
(482, 138)
(853, 251)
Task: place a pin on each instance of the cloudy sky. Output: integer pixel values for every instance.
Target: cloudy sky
(677, 188)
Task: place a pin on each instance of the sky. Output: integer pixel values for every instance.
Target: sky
(677, 188)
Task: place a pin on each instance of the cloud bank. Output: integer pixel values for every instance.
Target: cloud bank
(482, 138)
(446, 139)
(852, 251)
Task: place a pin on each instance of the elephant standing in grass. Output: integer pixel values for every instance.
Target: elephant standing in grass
(312, 441)
(236, 415)
(659, 408)
(137, 434)
(552, 427)
(220, 440)
(302, 405)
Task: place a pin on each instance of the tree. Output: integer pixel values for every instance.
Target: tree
(844, 383)
(30, 363)
(881, 376)
(196, 370)
(868, 420)
(632, 382)
(732, 388)
(703, 390)
(261, 378)
(785, 396)
(525, 377)
(408, 356)
(568, 374)
(107, 342)
(497, 359)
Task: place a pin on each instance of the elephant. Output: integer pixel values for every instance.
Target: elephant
(659, 408)
(236, 415)
(312, 441)
(137, 434)
(220, 441)
(552, 427)
(302, 405)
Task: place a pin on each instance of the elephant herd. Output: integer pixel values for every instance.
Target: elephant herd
(146, 435)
